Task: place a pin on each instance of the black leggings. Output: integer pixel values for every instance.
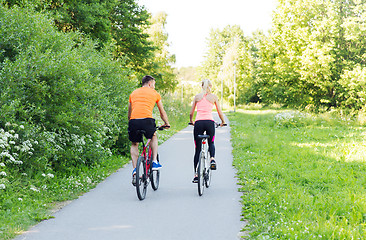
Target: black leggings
(200, 127)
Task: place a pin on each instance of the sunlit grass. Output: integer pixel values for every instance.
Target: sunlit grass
(302, 175)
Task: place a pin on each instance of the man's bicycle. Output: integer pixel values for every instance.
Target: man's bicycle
(144, 172)
(204, 171)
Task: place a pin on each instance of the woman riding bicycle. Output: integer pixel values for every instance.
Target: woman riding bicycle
(204, 102)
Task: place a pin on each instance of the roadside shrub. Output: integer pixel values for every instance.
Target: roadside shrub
(71, 98)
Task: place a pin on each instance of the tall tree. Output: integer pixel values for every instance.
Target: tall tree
(222, 50)
(353, 80)
(129, 24)
(160, 65)
(121, 22)
(309, 49)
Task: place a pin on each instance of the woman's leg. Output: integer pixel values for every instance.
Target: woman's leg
(210, 130)
(198, 130)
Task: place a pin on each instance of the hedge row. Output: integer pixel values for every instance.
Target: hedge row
(62, 103)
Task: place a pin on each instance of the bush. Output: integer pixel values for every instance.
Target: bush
(353, 83)
(292, 119)
(71, 98)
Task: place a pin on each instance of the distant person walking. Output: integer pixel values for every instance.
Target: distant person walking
(204, 122)
(140, 107)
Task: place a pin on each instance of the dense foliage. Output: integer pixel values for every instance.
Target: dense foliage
(126, 28)
(122, 22)
(62, 103)
(314, 56)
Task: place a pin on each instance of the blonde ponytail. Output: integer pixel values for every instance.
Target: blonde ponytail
(206, 86)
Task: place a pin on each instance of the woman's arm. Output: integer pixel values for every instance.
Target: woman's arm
(219, 111)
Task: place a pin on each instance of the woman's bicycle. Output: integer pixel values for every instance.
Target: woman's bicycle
(144, 172)
(204, 171)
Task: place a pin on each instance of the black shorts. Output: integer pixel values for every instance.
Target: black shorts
(146, 124)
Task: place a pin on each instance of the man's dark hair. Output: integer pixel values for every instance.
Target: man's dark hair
(147, 79)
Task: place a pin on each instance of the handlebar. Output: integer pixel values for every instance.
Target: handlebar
(216, 124)
(162, 127)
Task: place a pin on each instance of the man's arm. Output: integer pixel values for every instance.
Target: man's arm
(192, 110)
(163, 114)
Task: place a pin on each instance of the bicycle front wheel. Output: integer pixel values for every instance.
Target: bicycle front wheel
(154, 177)
(141, 178)
(201, 174)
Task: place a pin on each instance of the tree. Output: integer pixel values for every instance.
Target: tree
(250, 65)
(118, 22)
(308, 51)
(223, 48)
(129, 24)
(160, 63)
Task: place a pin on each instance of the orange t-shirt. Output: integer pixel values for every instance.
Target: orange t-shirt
(143, 101)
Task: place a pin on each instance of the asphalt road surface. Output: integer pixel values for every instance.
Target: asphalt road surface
(173, 212)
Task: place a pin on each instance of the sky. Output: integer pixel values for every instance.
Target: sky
(189, 22)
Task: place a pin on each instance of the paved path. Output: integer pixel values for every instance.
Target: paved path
(173, 212)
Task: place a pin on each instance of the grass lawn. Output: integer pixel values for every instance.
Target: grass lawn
(302, 176)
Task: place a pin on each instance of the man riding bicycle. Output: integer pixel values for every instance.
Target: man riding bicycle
(140, 107)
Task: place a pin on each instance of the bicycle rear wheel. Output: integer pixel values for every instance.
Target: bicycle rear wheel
(201, 174)
(154, 177)
(208, 172)
(141, 178)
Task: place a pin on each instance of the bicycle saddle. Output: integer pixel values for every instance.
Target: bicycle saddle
(203, 136)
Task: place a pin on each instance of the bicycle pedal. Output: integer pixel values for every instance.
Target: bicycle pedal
(213, 166)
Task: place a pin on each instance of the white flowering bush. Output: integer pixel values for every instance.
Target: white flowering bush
(13, 150)
(292, 119)
(30, 150)
(65, 150)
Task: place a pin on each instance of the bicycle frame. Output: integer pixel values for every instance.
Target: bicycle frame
(204, 150)
(146, 154)
(144, 172)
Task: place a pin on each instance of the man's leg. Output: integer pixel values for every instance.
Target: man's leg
(134, 153)
(154, 147)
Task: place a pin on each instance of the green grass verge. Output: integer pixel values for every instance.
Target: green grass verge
(302, 176)
(29, 200)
